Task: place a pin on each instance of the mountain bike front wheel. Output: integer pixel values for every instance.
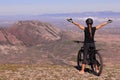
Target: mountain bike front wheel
(79, 58)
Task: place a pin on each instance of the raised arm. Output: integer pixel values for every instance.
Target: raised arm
(103, 24)
(77, 24)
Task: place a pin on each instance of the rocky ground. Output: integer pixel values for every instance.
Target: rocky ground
(54, 72)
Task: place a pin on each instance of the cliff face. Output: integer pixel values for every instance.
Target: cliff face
(8, 38)
(29, 33)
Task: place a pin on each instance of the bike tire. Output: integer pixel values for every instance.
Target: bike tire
(99, 64)
(79, 59)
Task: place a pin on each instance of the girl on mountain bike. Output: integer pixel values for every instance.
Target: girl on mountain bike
(89, 33)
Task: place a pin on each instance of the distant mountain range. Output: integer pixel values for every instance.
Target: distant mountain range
(85, 14)
(59, 18)
(82, 14)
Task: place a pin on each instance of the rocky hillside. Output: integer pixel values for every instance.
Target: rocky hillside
(34, 32)
(17, 41)
(29, 33)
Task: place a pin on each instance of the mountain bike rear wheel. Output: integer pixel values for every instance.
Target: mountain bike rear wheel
(97, 68)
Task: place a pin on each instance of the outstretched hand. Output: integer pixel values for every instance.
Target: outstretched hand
(70, 20)
(109, 21)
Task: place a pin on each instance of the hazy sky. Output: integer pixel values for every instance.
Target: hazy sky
(15, 7)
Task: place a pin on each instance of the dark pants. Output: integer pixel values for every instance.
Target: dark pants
(86, 47)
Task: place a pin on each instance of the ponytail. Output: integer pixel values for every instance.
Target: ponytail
(90, 30)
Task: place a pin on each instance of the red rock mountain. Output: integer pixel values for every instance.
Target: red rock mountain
(29, 33)
(8, 38)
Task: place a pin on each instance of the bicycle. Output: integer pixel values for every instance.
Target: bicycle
(90, 62)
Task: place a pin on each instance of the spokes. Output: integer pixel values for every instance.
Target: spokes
(97, 67)
(80, 59)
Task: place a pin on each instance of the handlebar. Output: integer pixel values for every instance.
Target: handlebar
(79, 41)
